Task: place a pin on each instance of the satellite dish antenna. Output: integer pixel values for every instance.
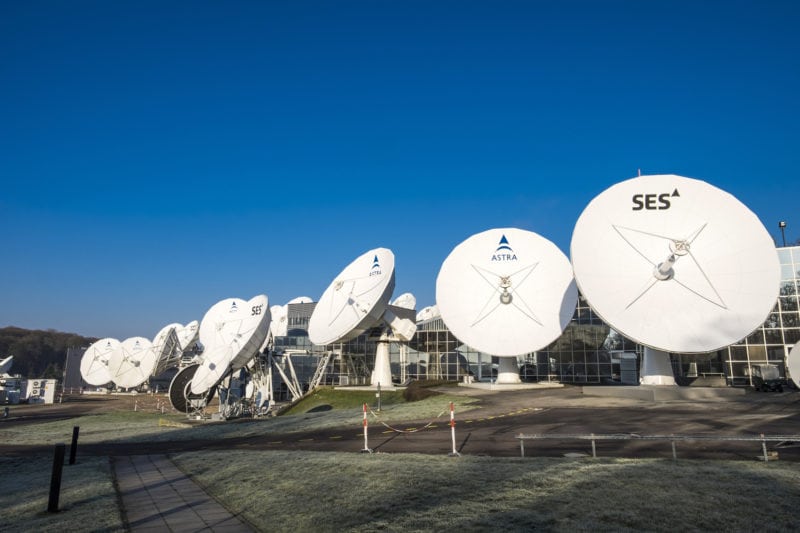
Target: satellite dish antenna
(132, 362)
(94, 363)
(279, 326)
(180, 394)
(506, 292)
(357, 300)
(232, 332)
(793, 363)
(428, 313)
(166, 346)
(5, 364)
(188, 335)
(406, 301)
(301, 300)
(675, 264)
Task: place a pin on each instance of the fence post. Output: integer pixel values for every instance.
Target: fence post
(74, 446)
(764, 448)
(454, 453)
(521, 446)
(674, 450)
(366, 445)
(55, 478)
(594, 448)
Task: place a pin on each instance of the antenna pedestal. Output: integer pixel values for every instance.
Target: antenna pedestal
(383, 372)
(507, 371)
(656, 368)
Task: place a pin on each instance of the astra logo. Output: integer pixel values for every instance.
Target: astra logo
(504, 251)
(136, 346)
(653, 201)
(233, 308)
(376, 267)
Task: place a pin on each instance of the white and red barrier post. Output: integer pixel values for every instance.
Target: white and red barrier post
(454, 453)
(366, 445)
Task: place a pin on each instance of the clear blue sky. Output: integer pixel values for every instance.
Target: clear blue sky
(156, 157)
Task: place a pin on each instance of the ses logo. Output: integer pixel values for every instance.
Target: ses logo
(504, 251)
(376, 268)
(653, 202)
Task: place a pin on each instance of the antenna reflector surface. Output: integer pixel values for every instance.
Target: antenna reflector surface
(355, 300)
(132, 362)
(675, 264)
(506, 292)
(232, 332)
(94, 363)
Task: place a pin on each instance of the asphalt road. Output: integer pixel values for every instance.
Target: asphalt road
(491, 430)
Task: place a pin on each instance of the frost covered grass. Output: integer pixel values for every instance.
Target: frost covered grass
(88, 500)
(314, 491)
(334, 408)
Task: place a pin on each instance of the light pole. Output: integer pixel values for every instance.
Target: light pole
(782, 225)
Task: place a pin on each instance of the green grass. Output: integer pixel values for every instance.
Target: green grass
(327, 398)
(311, 491)
(87, 502)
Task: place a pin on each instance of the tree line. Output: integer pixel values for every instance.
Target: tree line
(39, 353)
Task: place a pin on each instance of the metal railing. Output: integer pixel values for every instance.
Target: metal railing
(673, 439)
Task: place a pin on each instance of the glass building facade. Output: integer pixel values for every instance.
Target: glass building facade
(588, 352)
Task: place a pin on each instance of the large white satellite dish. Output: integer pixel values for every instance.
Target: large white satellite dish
(132, 362)
(675, 264)
(506, 292)
(793, 363)
(300, 300)
(232, 332)
(94, 363)
(5, 364)
(355, 300)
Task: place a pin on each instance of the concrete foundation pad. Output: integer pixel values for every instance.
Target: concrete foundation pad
(660, 393)
(499, 387)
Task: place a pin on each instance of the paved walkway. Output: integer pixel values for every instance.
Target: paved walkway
(159, 497)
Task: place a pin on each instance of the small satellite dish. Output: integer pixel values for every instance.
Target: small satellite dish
(355, 300)
(188, 335)
(167, 348)
(232, 332)
(132, 362)
(428, 313)
(406, 301)
(5, 364)
(506, 292)
(279, 326)
(793, 364)
(300, 300)
(94, 363)
(675, 264)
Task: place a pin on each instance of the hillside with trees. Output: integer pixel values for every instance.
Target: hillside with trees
(37, 353)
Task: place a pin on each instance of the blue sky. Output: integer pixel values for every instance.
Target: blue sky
(156, 157)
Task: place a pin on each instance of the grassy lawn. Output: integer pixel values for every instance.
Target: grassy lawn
(87, 502)
(312, 491)
(316, 491)
(326, 408)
